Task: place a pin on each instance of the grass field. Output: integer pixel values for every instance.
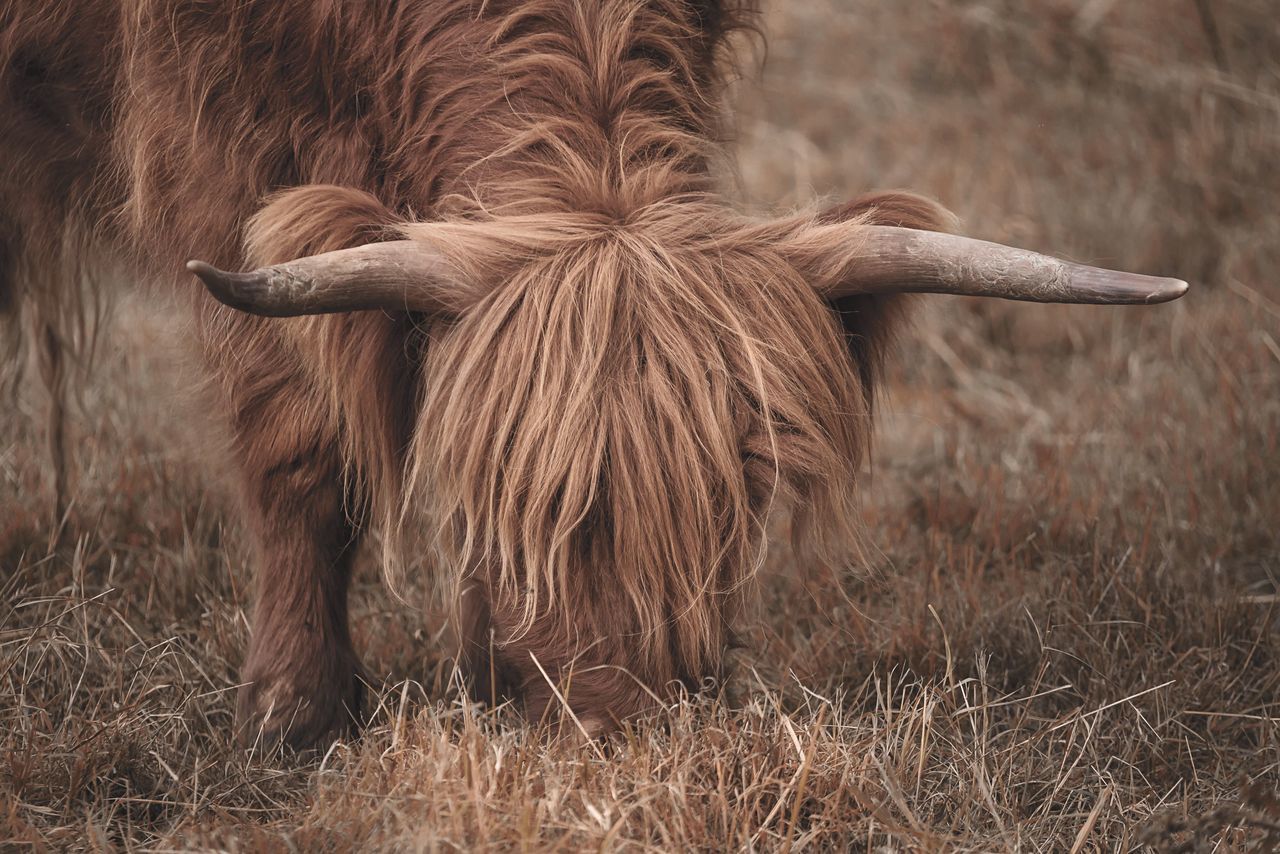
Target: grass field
(1068, 639)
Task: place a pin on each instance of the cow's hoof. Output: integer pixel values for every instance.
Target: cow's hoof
(285, 709)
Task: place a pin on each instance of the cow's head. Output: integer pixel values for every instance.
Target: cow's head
(612, 405)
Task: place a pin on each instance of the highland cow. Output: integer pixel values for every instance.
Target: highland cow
(492, 289)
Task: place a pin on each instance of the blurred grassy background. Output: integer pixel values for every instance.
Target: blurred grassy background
(1069, 639)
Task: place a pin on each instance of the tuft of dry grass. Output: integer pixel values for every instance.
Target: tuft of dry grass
(1068, 641)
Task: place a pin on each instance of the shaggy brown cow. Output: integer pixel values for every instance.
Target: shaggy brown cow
(521, 313)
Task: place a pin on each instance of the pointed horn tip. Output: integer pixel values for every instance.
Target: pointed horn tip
(207, 273)
(1158, 290)
(237, 290)
(1103, 286)
(1175, 288)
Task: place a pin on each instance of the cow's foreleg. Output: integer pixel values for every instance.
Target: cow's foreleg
(302, 681)
(302, 675)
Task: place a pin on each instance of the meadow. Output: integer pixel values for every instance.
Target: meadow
(1064, 636)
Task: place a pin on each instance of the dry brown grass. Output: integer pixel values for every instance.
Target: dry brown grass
(1070, 642)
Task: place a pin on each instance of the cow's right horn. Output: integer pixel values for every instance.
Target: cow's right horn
(902, 260)
(403, 275)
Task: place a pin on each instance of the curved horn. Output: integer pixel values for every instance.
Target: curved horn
(396, 275)
(903, 260)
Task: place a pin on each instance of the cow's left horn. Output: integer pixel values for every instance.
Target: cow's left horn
(396, 275)
(902, 260)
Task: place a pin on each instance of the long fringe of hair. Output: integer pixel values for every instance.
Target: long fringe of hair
(636, 397)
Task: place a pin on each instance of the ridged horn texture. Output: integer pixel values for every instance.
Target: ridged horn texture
(902, 260)
(402, 275)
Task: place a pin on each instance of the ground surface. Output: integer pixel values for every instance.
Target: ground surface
(1071, 639)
